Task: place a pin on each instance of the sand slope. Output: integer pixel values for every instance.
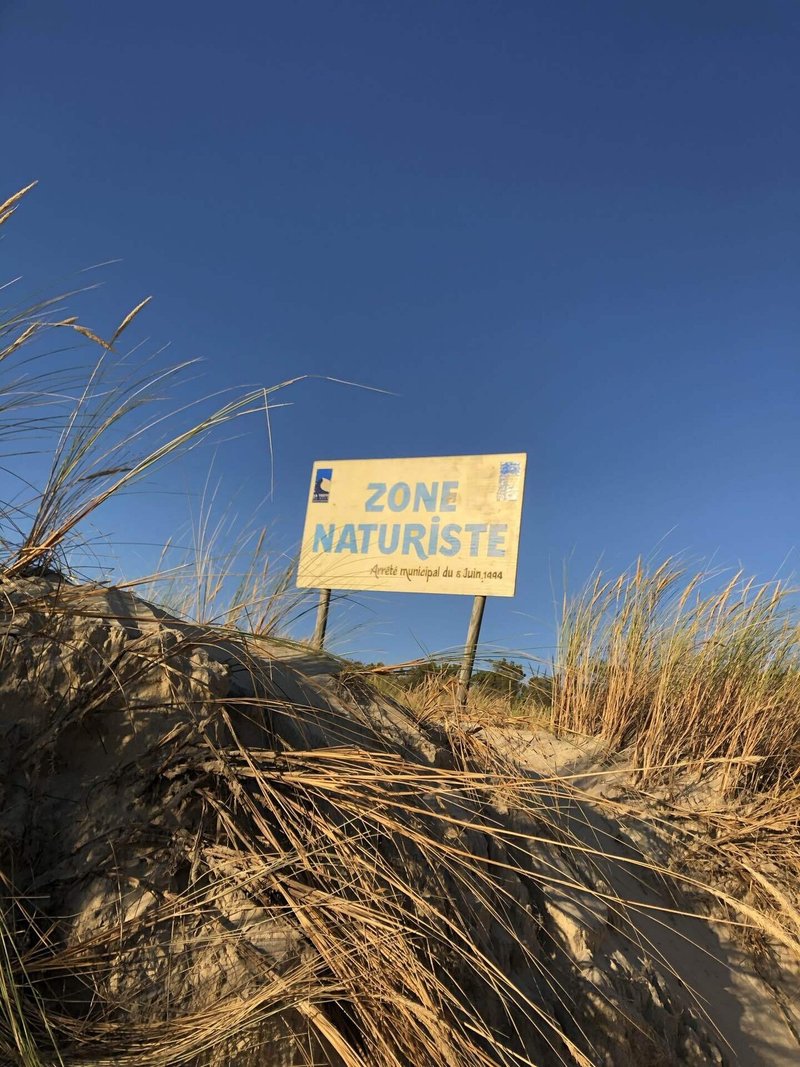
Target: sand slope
(219, 849)
(755, 1016)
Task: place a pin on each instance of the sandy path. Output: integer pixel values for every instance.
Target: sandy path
(755, 1024)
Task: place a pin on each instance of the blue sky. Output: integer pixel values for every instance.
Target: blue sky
(568, 229)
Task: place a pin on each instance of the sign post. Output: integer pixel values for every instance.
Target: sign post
(471, 647)
(437, 524)
(318, 640)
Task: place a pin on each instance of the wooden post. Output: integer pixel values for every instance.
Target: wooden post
(322, 618)
(470, 649)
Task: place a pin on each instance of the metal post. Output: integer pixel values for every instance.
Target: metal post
(470, 649)
(318, 640)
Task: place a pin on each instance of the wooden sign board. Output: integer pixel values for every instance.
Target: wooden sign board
(443, 524)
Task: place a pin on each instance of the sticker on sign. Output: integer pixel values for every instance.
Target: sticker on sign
(439, 524)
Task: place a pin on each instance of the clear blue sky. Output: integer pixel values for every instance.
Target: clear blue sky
(565, 228)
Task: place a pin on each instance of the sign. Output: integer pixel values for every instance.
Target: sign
(444, 524)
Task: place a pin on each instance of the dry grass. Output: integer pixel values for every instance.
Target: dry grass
(698, 680)
(100, 449)
(366, 856)
(228, 576)
(349, 849)
(360, 853)
(650, 660)
(677, 668)
(369, 858)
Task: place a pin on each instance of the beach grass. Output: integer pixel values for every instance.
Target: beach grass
(363, 851)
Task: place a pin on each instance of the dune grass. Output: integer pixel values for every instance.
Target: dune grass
(227, 574)
(696, 679)
(313, 839)
(361, 852)
(652, 661)
(677, 667)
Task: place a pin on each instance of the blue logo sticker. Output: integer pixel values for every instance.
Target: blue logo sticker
(322, 485)
(508, 482)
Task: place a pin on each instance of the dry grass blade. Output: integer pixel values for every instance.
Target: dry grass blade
(8, 208)
(129, 319)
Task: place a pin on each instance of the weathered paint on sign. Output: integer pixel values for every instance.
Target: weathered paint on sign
(443, 524)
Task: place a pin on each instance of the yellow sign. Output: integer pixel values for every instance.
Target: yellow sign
(445, 524)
